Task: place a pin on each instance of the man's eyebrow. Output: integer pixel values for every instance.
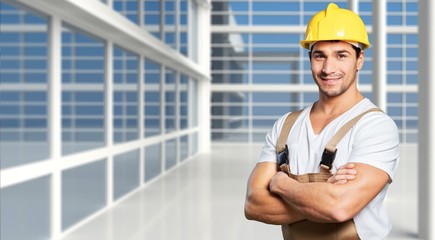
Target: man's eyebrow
(342, 51)
(318, 52)
(336, 52)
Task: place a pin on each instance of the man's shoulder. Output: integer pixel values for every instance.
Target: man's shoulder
(364, 106)
(372, 123)
(300, 113)
(377, 124)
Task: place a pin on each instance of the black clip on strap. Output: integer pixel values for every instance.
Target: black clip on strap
(328, 158)
(283, 156)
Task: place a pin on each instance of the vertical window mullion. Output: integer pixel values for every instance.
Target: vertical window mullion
(162, 20)
(140, 12)
(109, 103)
(140, 117)
(163, 115)
(177, 15)
(177, 113)
(55, 116)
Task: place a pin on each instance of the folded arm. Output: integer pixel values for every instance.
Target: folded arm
(264, 206)
(325, 202)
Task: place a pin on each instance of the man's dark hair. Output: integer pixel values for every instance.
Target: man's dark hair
(357, 49)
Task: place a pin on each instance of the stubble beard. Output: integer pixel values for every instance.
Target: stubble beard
(336, 91)
(333, 92)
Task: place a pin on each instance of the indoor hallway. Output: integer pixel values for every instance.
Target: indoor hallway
(203, 200)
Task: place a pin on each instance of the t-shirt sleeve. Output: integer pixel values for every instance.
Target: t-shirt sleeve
(268, 153)
(377, 143)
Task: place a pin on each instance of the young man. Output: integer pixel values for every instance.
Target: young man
(348, 204)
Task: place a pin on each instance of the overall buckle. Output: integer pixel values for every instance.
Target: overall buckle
(283, 156)
(328, 158)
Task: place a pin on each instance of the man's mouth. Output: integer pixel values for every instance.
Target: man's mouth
(331, 81)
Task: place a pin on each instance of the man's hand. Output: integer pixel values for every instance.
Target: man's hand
(344, 174)
(264, 206)
(339, 199)
(277, 179)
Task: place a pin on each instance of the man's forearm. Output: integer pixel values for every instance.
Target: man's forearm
(323, 202)
(312, 200)
(264, 206)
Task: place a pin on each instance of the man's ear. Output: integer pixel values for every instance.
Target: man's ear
(360, 60)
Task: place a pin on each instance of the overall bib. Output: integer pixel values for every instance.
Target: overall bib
(306, 229)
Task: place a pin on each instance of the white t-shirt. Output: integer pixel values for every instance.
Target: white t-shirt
(374, 140)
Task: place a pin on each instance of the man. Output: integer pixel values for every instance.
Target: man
(366, 158)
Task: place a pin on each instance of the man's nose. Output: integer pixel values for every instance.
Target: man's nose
(329, 66)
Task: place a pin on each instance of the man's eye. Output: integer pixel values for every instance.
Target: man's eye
(341, 55)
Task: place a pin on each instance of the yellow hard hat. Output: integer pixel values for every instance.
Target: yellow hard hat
(336, 23)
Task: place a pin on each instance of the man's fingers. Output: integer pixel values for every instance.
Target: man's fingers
(347, 166)
(343, 181)
(342, 176)
(346, 172)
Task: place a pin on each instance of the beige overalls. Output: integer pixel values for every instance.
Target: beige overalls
(306, 229)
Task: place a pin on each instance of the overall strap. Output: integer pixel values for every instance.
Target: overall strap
(331, 147)
(286, 126)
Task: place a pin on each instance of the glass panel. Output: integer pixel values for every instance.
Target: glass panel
(170, 100)
(231, 110)
(195, 143)
(230, 13)
(184, 28)
(411, 137)
(285, 98)
(170, 22)
(171, 153)
(273, 66)
(234, 65)
(125, 173)
(125, 100)
(274, 78)
(153, 163)
(128, 8)
(193, 31)
(152, 98)
(309, 98)
(229, 113)
(259, 137)
(251, 58)
(194, 103)
(231, 77)
(184, 147)
(263, 123)
(271, 6)
(274, 19)
(83, 192)
(395, 112)
(24, 102)
(270, 110)
(366, 12)
(152, 20)
(184, 101)
(82, 92)
(25, 210)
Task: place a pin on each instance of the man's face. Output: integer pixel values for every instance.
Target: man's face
(334, 66)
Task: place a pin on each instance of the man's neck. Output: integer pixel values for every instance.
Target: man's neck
(336, 105)
(327, 109)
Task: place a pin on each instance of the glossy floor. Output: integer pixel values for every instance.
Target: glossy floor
(203, 200)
